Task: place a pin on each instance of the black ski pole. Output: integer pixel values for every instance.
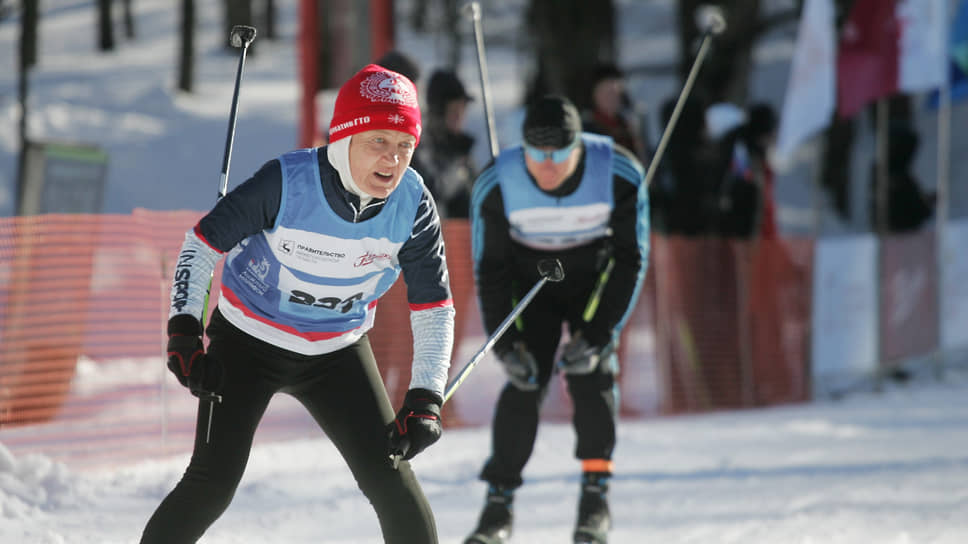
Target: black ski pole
(475, 11)
(711, 22)
(550, 270)
(241, 37)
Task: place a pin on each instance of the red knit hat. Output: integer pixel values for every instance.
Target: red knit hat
(373, 99)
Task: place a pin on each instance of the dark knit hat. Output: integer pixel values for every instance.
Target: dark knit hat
(444, 86)
(375, 98)
(551, 121)
(401, 63)
(761, 119)
(606, 70)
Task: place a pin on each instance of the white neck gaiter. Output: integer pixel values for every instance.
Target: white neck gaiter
(338, 154)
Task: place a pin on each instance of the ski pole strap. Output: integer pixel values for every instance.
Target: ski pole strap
(593, 301)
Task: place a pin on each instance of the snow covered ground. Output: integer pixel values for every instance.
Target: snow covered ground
(890, 468)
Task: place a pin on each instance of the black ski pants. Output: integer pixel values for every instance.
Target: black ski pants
(516, 416)
(344, 393)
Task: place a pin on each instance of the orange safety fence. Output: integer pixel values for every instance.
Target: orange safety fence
(74, 285)
(731, 322)
(84, 300)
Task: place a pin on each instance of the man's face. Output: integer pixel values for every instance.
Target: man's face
(607, 95)
(454, 114)
(378, 159)
(549, 174)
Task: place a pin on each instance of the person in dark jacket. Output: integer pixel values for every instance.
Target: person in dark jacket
(445, 158)
(685, 195)
(608, 111)
(746, 207)
(579, 198)
(311, 242)
(909, 207)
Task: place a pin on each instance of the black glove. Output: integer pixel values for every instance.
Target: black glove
(521, 368)
(580, 357)
(417, 424)
(202, 375)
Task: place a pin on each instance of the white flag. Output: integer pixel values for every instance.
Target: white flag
(923, 56)
(811, 92)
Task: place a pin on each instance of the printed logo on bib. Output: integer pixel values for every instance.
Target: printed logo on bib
(310, 254)
(370, 258)
(545, 220)
(254, 276)
(559, 228)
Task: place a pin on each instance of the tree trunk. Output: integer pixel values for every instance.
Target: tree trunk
(570, 38)
(28, 58)
(418, 16)
(186, 62)
(128, 20)
(324, 47)
(105, 27)
(452, 28)
(270, 20)
(28, 34)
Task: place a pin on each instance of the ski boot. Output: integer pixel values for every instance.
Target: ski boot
(594, 519)
(494, 526)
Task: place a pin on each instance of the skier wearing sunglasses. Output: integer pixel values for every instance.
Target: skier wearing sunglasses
(580, 198)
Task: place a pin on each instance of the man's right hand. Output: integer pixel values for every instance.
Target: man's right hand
(202, 375)
(521, 367)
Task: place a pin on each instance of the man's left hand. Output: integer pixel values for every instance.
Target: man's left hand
(416, 426)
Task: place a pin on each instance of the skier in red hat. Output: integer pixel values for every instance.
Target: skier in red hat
(311, 242)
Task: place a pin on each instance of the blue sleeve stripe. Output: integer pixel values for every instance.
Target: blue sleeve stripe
(482, 187)
(639, 280)
(628, 170)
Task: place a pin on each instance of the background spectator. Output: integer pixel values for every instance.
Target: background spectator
(444, 157)
(745, 201)
(908, 205)
(683, 197)
(609, 110)
(400, 62)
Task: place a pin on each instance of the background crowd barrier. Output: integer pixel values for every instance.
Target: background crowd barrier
(78, 285)
(732, 321)
(720, 324)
